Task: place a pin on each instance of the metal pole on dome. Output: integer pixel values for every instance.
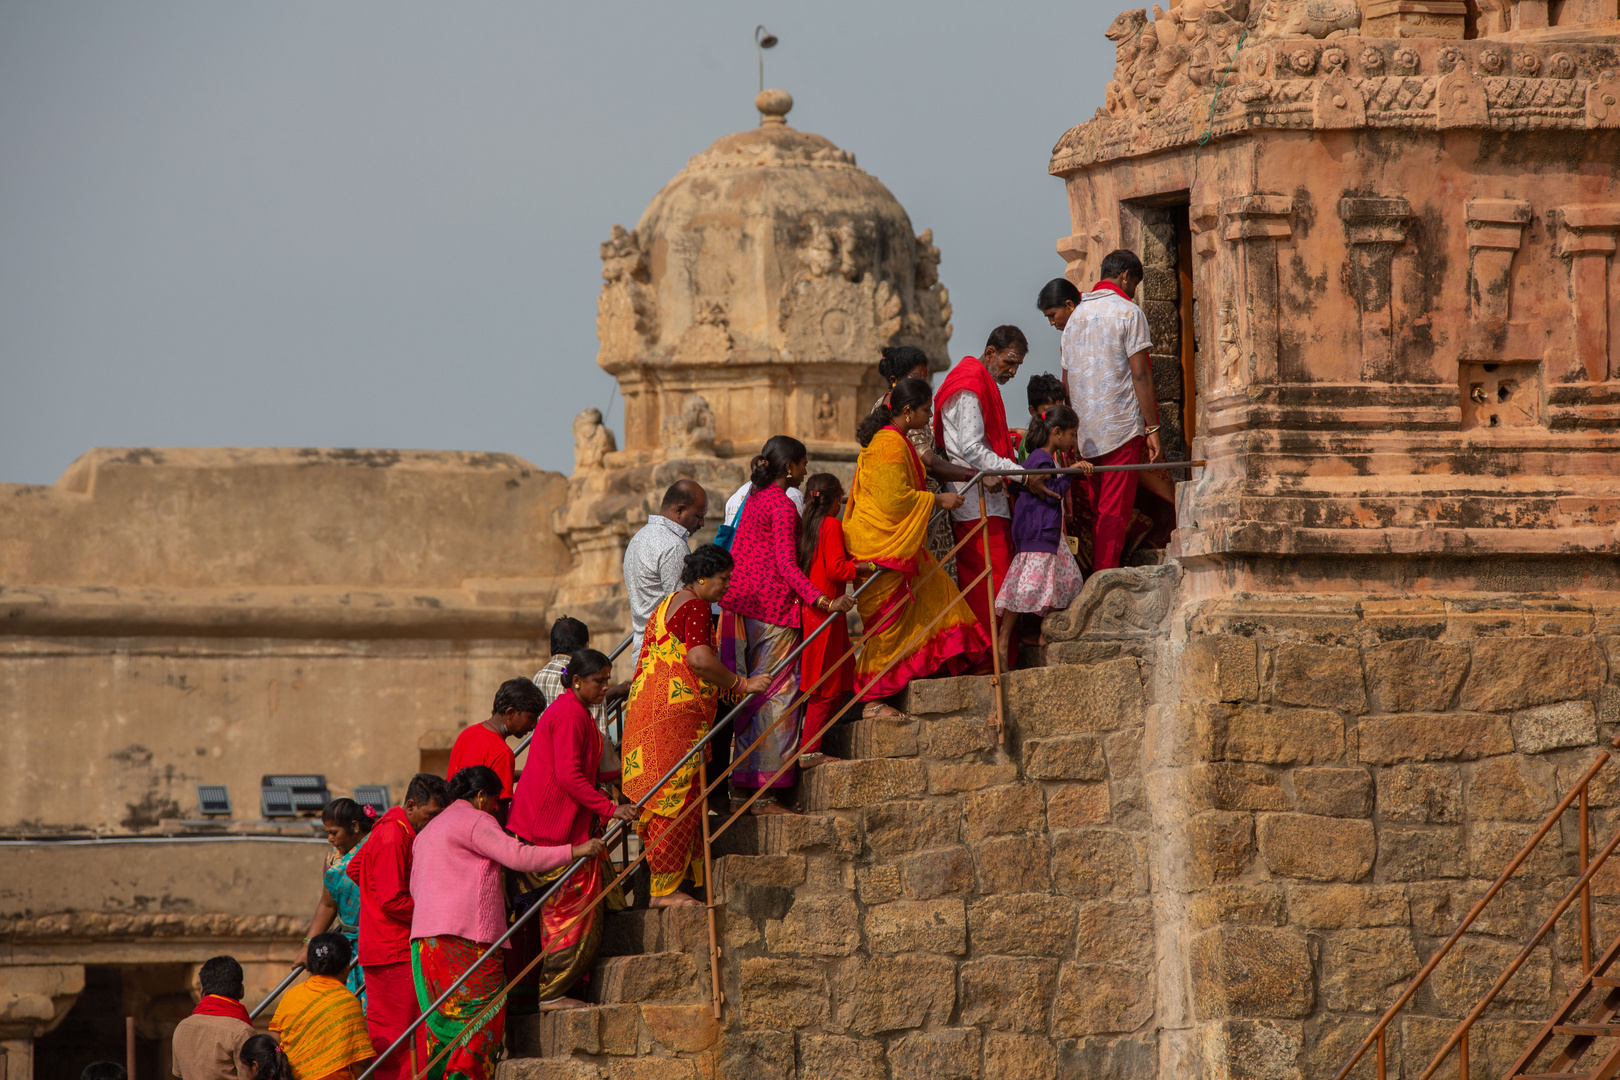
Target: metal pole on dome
(763, 39)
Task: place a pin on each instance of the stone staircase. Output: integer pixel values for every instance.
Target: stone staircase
(947, 906)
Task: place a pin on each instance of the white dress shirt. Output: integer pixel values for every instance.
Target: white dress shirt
(965, 442)
(653, 561)
(1100, 338)
(734, 503)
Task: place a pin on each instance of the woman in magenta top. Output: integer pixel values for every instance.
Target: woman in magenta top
(759, 624)
(558, 801)
(460, 910)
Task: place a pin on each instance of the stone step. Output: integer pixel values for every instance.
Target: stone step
(659, 976)
(635, 932)
(842, 785)
(616, 1030)
(782, 834)
(880, 737)
(642, 1068)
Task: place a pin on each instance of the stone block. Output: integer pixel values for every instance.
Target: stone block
(1385, 740)
(782, 994)
(1221, 846)
(667, 1068)
(874, 737)
(532, 1068)
(1335, 1038)
(1414, 675)
(839, 785)
(925, 696)
(1420, 794)
(903, 827)
(877, 884)
(1511, 788)
(661, 976)
(948, 778)
(778, 834)
(682, 1028)
(1324, 676)
(1071, 806)
(928, 874)
(1334, 792)
(1338, 907)
(758, 1055)
(1020, 1057)
(933, 926)
(1066, 757)
(1096, 864)
(1021, 924)
(1272, 736)
(1363, 970)
(1236, 785)
(1317, 848)
(1006, 993)
(1220, 667)
(1099, 999)
(893, 993)
(1474, 963)
(744, 872)
(1168, 377)
(1070, 699)
(1555, 726)
(619, 1029)
(1417, 854)
(947, 738)
(1011, 808)
(1013, 864)
(1252, 1050)
(1261, 905)
(838, 1057)
(1493, 844)
(948, 1054)
(816, 926)
(1115, 933)
(1518, 672)
(1251, 971)
(1119, 1057)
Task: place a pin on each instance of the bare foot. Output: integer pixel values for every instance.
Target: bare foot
(814, 758)
(674, 899)
(765, 808)
(877, 710)
(559, 1004)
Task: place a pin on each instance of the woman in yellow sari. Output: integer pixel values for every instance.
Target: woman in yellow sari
(912, 619)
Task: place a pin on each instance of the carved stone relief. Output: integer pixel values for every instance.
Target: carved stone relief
(1126, 602)
(592, 441)
(691, 434)
(1588, 241)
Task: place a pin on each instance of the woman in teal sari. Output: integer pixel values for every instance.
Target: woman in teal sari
(347, 825)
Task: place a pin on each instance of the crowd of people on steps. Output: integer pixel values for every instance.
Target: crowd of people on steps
(410, 899)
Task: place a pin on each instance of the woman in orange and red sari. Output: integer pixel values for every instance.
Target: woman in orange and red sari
(916, 624)
(679, 683)
(558, 801)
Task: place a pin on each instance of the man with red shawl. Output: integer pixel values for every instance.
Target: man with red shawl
(970, 423)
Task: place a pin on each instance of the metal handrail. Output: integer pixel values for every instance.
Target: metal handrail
(611, 833)
(1582, 888)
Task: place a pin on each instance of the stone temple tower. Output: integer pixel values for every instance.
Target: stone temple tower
(751, 299)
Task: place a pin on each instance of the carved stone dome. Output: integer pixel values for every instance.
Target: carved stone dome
(765, 277)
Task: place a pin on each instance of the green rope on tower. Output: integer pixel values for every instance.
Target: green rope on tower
(1209, 132)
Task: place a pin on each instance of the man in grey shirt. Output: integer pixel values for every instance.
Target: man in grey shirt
(654, 556)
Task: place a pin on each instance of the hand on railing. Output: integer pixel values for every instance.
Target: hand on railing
(591, 849)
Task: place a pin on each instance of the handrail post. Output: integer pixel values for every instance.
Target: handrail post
(995, 638)
(708, 893)
(1382, 1075)
(1586, 892)
(1462, 1064)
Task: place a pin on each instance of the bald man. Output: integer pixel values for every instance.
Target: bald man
(654, 556)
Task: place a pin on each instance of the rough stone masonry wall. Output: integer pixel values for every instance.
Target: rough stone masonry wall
(1334, 782)
(956, 911)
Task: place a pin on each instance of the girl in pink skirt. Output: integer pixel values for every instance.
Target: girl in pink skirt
(1044, 576)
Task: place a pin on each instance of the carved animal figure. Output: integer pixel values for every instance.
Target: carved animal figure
(592, 440)
(1311, 18)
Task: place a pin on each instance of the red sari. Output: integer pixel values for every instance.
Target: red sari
(830, 571)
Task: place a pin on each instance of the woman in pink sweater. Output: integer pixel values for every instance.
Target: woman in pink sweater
(759, 625)
(461, 910)
(559, 801)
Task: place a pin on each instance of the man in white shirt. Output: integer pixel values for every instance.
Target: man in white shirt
(655, 555)
(971, 424)
(1109, 378)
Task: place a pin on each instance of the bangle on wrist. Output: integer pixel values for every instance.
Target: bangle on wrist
(1154, 430)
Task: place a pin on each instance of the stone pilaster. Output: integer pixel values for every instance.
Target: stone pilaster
(1589, 243)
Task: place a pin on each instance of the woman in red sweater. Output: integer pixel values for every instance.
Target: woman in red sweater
(825, 673)
(558, 801)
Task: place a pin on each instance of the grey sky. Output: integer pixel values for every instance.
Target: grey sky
(376, 224)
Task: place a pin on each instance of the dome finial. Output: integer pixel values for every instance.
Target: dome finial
(773, 106)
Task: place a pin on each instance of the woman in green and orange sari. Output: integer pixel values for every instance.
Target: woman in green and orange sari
(915, 624)
(679, 683)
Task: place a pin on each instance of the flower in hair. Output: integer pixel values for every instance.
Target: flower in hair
(369, 811)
